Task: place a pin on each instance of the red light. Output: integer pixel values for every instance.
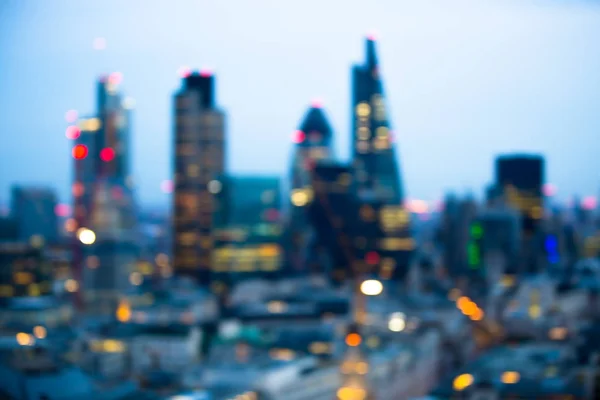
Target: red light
(316, 103)
(549, 190)
(107, 154)
(299, 137)
(184, 71)
(205, 72)
(589, 203)
(79, 152)
(117, 193)
(115, 78)
(73, 132)
(272, 215)
(78, 189)
(62, 210)
(372, 258)
(71, 116)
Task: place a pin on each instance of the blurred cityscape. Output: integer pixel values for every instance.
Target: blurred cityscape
(326, 283)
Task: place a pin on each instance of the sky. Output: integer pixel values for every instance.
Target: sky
(465, 80)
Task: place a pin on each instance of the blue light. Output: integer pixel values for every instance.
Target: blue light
(551, 244)
(553, 259)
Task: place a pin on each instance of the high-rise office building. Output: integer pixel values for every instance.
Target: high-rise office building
(247, 229)
(199, 162)
(374, 157)
(33, 209)
(333, 214)
(103, 199)
(520, 179)
(313, 144)
(376, 170)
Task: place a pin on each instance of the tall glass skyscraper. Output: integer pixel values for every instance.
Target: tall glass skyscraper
(377, 174)
(199, 164)
(103, 199)
(313, 144)
(374, 157)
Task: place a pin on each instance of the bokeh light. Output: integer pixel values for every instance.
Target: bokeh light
(107, 154)
(72, 132)
(71, 116)
(167, 186)
(80, 152)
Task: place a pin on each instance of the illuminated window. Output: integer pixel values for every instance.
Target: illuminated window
(381, 144)
(301, 197)
(363, 110)
(367, 213)
(397, 244)
(362, 147)
(193, 170)
(364, 133)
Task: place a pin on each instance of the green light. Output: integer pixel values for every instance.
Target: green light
(473, 255)
(477, 231)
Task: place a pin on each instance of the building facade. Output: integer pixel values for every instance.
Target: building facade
(199, 162)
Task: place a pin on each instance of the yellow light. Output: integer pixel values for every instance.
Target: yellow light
(462, 382)
(462, 302)
(508, 281)
(276, 307)
(282, 354)
(469, 308)
(362, 368)
(478, 315)
(535, 311)
(86, 236)
(23, 278)
(558, 333)
(363, 110)
(113, 346)
(371, 287)
(351, 393)
(301, 197)
(135, 278)
(39, 332)
(71, 285)
(510, 377)
(36, 241)
(123, 313)
(91, 124)
(319, 348)
(25, 339)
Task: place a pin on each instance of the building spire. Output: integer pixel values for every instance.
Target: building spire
(371, 53)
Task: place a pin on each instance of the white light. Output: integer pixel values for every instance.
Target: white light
(371, 287)
(128, 103)
(86, 236)
(214, 186)
(397, 322)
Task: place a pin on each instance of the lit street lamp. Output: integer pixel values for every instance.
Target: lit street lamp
(86, 236)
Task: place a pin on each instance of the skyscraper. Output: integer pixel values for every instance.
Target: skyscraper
(198, 163)
(103, 199)
(376, 170)
(313, 143)
(520, 179)
(33, 209)
(374, 158)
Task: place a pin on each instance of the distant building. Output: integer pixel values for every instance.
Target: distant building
(25, 271)
(247, 229)
(520, 179)
(198, 163)
(455, 233)
(313, 144)
(103, 200)
(375, 167)
(33, 209)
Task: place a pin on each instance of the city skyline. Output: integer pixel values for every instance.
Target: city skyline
(471, 102)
